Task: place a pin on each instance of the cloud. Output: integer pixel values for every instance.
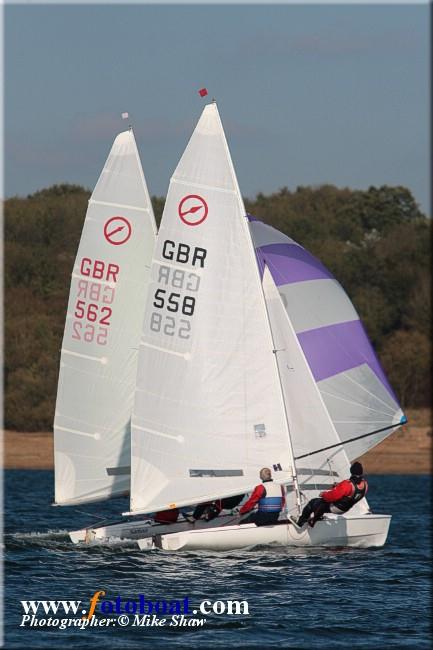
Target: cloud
(25, 152)
(95, 126)
(102, 127)
(243, 130)
(330, 43)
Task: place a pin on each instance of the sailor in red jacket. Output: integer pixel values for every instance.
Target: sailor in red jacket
(270, 499)
(339, 499)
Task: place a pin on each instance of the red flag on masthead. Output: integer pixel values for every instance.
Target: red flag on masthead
(202, 92)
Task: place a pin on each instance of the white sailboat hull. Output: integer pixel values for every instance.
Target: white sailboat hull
(362, 531)
(138, 529)
(127, 530)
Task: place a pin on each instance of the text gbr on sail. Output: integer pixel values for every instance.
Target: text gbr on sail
(99, 269)
(183, 253)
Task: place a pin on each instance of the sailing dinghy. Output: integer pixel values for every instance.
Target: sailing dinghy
(103, 325)
(251, 355)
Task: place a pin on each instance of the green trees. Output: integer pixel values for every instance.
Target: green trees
(405, 355)
(376, 243)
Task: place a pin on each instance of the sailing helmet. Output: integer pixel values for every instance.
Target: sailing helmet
(356, 469)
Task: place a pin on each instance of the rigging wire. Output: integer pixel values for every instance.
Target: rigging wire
(344, 442)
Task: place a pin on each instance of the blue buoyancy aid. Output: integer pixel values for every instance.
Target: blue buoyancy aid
(272, 501)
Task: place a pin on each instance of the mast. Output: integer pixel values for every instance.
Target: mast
(263, 302)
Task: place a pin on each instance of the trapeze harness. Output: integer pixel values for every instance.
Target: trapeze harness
(345, 503)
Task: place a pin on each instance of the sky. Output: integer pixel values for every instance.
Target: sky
(307, 94)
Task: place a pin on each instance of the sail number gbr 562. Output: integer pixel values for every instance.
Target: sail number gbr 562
(94, 300)
(174, 299)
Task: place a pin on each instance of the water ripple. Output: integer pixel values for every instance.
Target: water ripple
(298, 598)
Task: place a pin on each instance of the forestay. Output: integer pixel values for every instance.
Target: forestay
(353, 386)
(102, 332)
(208, 411)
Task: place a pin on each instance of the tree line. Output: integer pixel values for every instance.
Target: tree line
(376, 242)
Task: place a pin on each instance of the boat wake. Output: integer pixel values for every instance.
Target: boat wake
(49, 538)
(60, 540)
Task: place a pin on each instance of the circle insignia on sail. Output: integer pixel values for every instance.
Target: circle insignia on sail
(117, 230)
(193, 210)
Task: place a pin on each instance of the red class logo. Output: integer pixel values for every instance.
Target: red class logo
(117, 230)
(193, 210)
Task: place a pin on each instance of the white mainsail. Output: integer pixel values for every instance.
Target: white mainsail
(102, 332)
(208, 411)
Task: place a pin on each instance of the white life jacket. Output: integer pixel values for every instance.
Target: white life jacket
(273, 501)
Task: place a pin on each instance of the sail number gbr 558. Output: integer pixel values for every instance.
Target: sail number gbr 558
(174, 300)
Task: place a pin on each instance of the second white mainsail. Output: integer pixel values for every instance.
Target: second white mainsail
(310, 424)
(208, 410)
(103, 324)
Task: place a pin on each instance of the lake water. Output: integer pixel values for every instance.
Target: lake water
(316, 598)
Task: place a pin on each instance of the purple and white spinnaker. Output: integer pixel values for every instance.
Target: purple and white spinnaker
(351, 381)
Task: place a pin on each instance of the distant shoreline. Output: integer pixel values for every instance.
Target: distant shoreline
(407, 451)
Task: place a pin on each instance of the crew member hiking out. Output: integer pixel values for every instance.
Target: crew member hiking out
(270, 499)
(339, 499)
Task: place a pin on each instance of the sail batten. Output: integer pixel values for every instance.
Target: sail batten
(128, 206)
(103, 323)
